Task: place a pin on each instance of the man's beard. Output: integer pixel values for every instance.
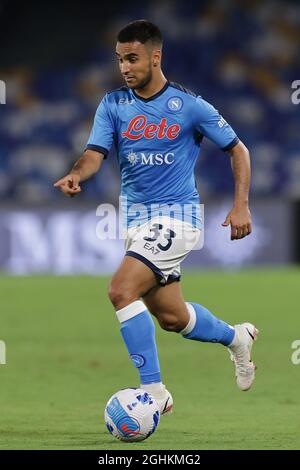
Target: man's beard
(145, 81)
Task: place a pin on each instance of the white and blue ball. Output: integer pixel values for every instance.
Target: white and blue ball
(131, 415)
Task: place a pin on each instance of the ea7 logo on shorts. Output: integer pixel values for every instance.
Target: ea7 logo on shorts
(139, 127)
(151, 158)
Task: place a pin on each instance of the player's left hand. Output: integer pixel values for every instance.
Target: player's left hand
(240, 220)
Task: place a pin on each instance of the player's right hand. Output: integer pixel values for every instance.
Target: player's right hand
(69, 184)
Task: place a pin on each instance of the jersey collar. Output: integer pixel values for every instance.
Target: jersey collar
(153, 97)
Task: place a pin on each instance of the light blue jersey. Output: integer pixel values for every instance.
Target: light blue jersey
(158, 141)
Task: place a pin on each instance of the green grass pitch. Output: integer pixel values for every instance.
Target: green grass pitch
(65, 358)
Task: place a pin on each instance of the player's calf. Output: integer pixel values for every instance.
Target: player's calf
(170, 322)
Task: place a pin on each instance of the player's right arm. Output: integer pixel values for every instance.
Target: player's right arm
(87, 165)
(97, 149)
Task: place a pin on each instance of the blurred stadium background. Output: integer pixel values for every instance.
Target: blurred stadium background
(57, 61)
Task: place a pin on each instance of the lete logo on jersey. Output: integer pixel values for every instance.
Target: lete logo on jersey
(139, 127)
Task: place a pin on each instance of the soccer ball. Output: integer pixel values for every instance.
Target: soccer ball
(131, 415)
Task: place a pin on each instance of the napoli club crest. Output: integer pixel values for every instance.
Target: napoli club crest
(175, 104)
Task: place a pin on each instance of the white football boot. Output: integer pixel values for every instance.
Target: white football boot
(165, 403)
(240, 354)
(162, 396)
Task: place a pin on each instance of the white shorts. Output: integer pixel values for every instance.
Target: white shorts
(162, 244)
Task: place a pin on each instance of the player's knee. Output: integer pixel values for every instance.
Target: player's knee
(121, 295)
(170, 322)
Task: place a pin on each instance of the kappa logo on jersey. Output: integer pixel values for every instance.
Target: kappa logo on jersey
(151, 158)
(139, 127)
(175, 103)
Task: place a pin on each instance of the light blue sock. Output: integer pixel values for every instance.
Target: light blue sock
(204, 326)
(138, 332)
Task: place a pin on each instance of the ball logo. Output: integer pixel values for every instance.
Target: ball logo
(145, 399)
(129, 426)
(139, 127)
(175, 104)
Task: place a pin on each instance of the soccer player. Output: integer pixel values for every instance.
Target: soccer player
(157, 127)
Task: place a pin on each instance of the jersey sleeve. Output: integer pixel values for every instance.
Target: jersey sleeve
(213, 126)
(102, 133)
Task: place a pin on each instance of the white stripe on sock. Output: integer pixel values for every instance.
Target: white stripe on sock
(130, 311)
(192, 321)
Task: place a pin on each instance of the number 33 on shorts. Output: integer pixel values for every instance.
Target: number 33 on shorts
(162, 244)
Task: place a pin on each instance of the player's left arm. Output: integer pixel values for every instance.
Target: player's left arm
(209, 123)
(239, 218)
